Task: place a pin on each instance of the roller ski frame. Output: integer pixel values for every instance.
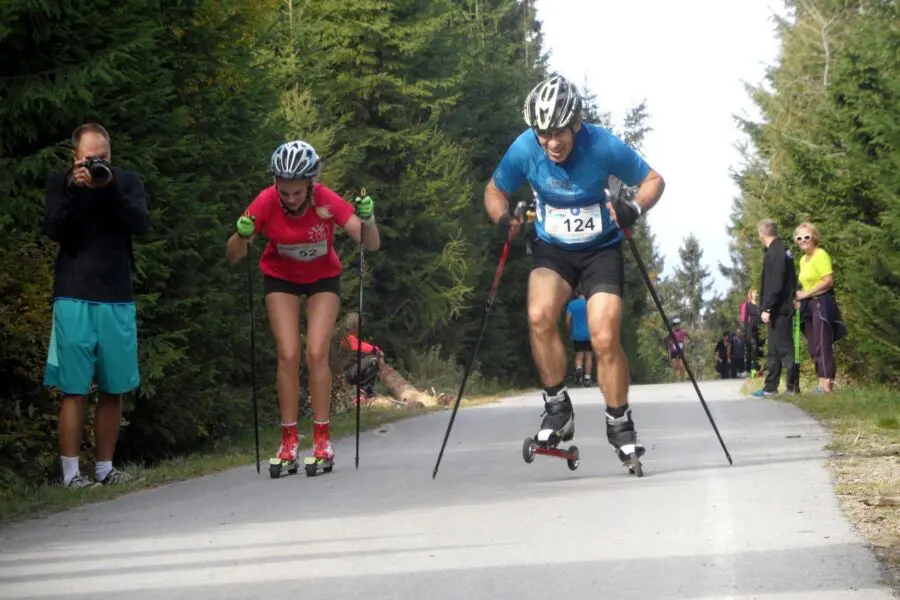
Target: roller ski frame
(277, 465)
(532, 448)
(313, 465)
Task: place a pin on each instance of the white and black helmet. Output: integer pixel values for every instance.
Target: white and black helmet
(295, 160)
(553, 104)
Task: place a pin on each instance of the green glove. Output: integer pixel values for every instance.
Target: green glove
(365, 207)
(246, 226)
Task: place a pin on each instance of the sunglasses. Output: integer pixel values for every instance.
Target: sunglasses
(802, 238)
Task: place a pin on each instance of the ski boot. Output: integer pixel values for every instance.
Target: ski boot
(622, 437)
(287, 456)
(323, 453)
(557, 426)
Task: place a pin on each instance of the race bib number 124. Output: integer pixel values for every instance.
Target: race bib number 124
(574, 225)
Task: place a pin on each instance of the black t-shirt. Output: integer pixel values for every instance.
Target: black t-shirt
(93, 228)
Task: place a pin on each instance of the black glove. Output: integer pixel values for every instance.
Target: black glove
(627, 213)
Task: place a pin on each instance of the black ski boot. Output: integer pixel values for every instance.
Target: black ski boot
(558, 424)
(622, 437)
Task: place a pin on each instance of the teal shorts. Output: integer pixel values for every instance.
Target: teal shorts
(91, 340)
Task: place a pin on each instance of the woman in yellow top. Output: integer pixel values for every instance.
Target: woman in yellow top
(820, 312)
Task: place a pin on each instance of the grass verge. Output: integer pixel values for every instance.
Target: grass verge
(29, 501)
(865, 461)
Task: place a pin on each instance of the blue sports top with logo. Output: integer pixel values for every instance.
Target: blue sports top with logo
(570, 205)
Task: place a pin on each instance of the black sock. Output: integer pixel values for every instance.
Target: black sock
(616, 413)
(554, 390)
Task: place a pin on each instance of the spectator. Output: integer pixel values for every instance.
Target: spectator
(752, 344)
(92, 211)
(576, 322)
(737, 353)
(779, 282)
(821, 316)
(723, 356)
(677, 352)
(372, 359)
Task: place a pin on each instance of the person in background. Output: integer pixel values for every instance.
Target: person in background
(750, 321)
(779, 282)
(576, 321)
(723, 356)
(92, 211)
(737, 353)
(821, 315)
(678, 370)
(372, 357)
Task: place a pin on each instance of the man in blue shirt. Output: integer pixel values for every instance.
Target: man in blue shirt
(568, 165)
(576, 321)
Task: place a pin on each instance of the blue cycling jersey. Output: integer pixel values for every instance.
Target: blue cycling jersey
(570, 205)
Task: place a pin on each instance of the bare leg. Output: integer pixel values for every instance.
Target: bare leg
(547, 294)
(579, 360)
(604, 320)
(322, 310)
(284, 317)
(106, 425)
(70, 424)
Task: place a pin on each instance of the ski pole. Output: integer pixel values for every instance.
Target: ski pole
(796, 372)
(253, 351)
(662, 313)
(518, 213)
(359, 334)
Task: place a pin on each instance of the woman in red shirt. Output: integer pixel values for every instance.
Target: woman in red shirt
(297, 216)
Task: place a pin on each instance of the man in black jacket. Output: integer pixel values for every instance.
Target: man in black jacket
(92, 211)
(776, 306)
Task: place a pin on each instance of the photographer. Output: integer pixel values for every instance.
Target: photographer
(91, 211)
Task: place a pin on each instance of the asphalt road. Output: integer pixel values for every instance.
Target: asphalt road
(490, 526)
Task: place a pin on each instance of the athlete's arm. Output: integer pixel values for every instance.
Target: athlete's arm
(236, 247)
(345, 216)
(650, 191)
(496, 203)
(627, 165)
(355, 227)
(508, 177)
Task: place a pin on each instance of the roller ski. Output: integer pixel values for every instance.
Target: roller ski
(557, 426)
(286, 460)
(322, 459)
(622, 437)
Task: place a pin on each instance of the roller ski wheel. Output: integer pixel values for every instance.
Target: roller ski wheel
(313, 465)
(632, 462)
(574, 458)
(528, 450)
(277, 465)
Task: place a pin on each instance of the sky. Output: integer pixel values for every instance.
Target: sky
(689, 59)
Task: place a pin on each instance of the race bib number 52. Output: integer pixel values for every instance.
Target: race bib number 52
(574, 225)
(304, 252)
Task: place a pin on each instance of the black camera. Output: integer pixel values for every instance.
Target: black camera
(99, 169)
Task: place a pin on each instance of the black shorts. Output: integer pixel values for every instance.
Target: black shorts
(582, 346)
(601, 270)
(276, 285)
